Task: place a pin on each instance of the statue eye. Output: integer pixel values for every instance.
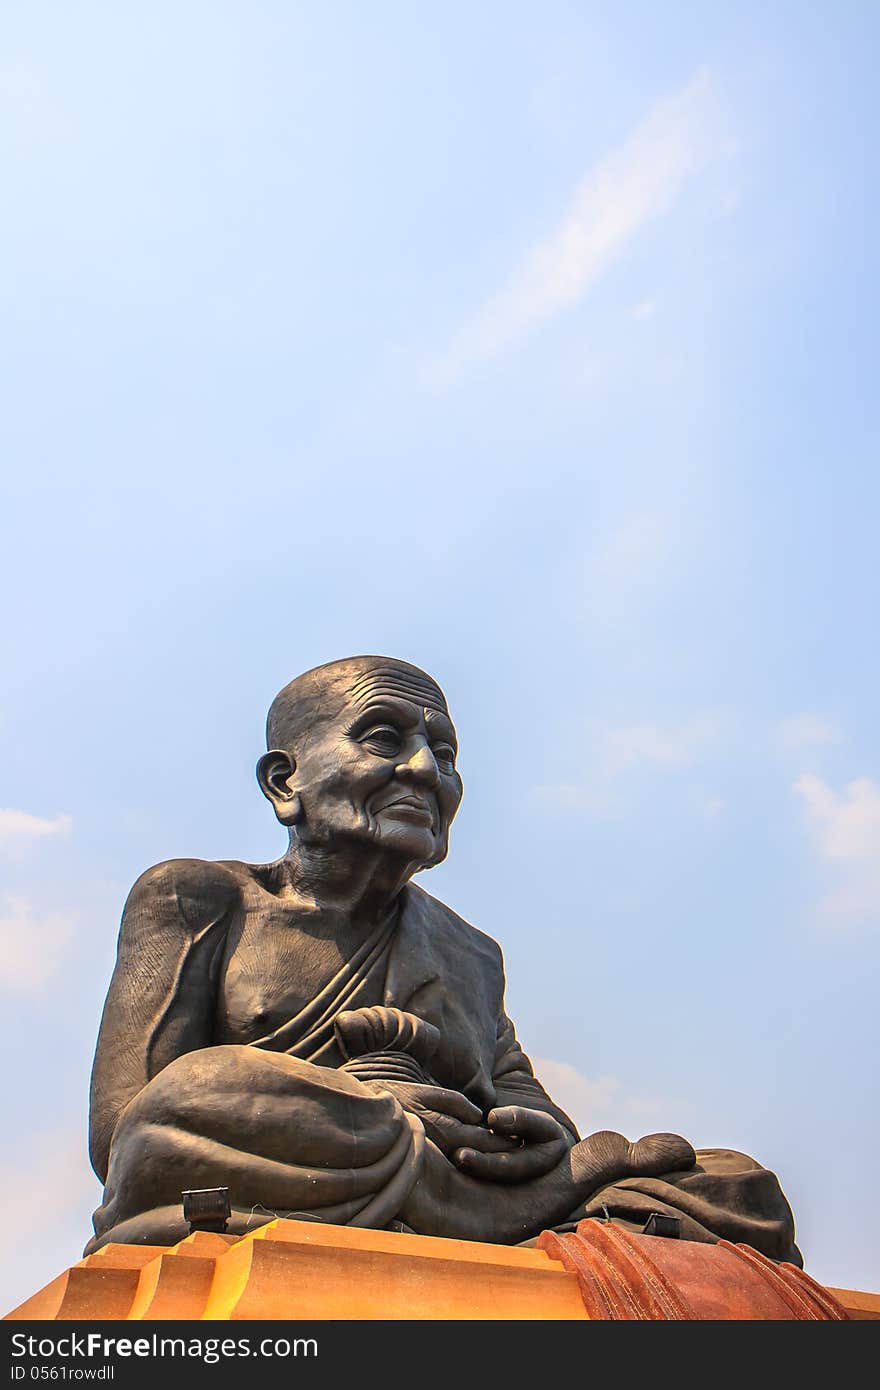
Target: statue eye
(444, 754)
(383, 739)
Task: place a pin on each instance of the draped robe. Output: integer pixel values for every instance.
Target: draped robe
(282, 1123)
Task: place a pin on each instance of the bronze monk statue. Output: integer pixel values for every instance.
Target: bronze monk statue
(327, 1040)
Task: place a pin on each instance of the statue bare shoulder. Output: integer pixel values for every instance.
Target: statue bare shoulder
(195, 888)
(160, 998)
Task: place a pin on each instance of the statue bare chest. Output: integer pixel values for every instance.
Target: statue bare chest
(272, 967)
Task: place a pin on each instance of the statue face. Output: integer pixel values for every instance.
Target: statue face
(381, 767)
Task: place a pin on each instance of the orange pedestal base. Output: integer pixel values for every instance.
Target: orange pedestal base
(302, 1270)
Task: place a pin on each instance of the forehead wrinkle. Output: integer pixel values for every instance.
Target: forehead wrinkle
(393, 684)
(394, 674)
(407, 711)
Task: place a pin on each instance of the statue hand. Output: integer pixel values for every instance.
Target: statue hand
(379, 1029)
(451, 1121)
(541, 1143)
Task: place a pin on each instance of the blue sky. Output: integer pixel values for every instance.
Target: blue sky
(536, 346)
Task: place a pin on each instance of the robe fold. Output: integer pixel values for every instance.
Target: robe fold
(725, 1195)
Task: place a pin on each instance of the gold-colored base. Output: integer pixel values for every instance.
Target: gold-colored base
(305, 1270)
(301, 1269)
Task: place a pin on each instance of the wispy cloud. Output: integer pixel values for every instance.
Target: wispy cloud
(621, 194)
(21, 824)
(32, 945)
(846, 829)
(658, 745)
(617, 752)
(806, 731)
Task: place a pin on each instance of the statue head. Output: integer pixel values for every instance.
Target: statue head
(362, 752)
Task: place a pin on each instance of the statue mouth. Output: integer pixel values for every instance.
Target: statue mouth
(410, 807)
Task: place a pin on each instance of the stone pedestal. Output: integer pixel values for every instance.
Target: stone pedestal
(302, 1270)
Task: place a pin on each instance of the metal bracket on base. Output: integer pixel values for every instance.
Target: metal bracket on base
(659, 1224)
(206, 1208)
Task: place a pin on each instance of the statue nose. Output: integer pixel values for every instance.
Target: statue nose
(421, 767)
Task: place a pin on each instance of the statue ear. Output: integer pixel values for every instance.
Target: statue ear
(274, 771)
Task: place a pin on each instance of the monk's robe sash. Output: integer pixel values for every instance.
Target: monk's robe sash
(360, 983)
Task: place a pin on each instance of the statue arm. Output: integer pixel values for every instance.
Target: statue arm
(162, 995)
(523, 1111)
(515, 1081)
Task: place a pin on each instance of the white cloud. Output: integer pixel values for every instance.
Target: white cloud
(593, 1105)
(713, 807)
(806, 730)
(846, 827)
(617, 752)
(645, 309)
(627, 189)
(32, 946)
(657, 745)
(17, 824)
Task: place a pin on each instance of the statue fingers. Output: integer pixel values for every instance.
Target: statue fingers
(484, 1141)
(378, 1028)
(449, 1135)
(532, 1126)
(427, 1100)
(408, 1033)
(520, 1165)
(448, 1103)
